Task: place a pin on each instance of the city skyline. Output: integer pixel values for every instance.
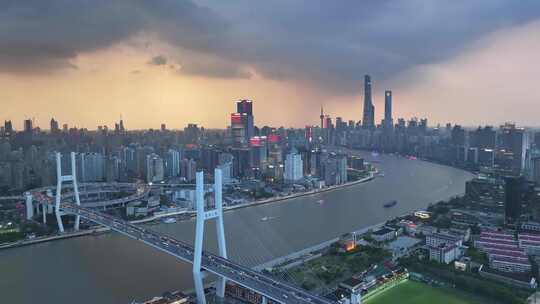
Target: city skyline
(344, 152)
(132, 70)
(46, 124)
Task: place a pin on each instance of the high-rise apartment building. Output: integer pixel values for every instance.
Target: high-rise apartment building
(515, 190)
(154, 168)
(172, 163)
(112, 168)
(91, 167)
(457, 136)
(334, 170)
(28, 126)
(55, 128)
(294, 170)
(226, 172)
(516, 141)
(535, 169)
(8, 127)
(484, 138)
(188, 169)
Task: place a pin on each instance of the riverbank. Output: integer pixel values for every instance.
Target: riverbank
(190, 214)
(44, 239)
(307, 252)
(295, 225)
(271, 200)
(301, 194)
(428, 160)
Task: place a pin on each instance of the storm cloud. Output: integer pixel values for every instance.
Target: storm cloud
(330, 44)
(40, 35)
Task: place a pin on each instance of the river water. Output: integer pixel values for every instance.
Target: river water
(111, 269)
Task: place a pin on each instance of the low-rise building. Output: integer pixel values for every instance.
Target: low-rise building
(462, 264)
(444, 253)
(176, 297)
(437, 239)
(503, 251)
(383, 234)
(530, 226)
(427, 229)
(243, 294)
(530, 243)
(462, 230)
(409, 227)
(521, 280)
(352, 284)
(510, 265)
(402, 246)
(495, 239)
(517, 254)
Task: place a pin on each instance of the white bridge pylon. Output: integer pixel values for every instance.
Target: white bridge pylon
(60, 179)
(202, 216)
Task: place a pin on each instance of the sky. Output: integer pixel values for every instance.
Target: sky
(90, 62)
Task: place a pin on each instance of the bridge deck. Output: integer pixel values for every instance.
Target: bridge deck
(251, 279)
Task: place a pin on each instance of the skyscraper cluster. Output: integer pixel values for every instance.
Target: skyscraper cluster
(246, 151)
(368, 120)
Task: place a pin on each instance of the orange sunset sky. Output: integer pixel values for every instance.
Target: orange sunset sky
(490, 78)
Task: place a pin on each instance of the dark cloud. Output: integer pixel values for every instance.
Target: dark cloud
(42, 35)
(213, 69)
(334, 43)
(328, 43)
(158, 60)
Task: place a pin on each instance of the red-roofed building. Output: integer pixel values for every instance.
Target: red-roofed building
(504, 252)
(510, 265)
(530, 243)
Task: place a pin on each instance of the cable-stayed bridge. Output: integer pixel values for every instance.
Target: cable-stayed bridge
(271, 289)
(267, 286)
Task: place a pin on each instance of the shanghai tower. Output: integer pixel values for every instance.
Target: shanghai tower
(368, 120)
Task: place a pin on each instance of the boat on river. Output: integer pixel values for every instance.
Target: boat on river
(390, 204)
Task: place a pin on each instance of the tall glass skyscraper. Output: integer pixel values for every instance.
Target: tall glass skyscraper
(368, 120)
(388, 120)
(245, 107)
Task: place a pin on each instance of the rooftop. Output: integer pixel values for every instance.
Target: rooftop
(383, 231)
(529, 237)
(509, 253)
(496, 235)
(444, 247)
(498, 242)
(444, 237)
(491, 246)
(510, 261)
(351, 283)
(403, 242)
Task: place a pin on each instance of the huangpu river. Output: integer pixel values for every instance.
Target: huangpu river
(113, 269)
